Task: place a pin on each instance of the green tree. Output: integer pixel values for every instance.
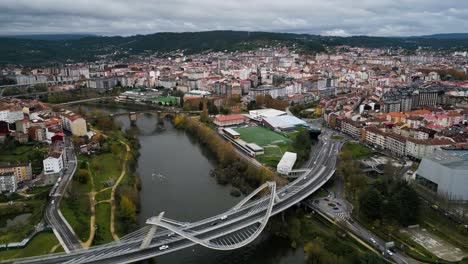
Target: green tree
(409, 203)
(371, 258)
(127, 208)
(370, 203)
(82, 176)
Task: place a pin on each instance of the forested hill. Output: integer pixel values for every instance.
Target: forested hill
(37, 51)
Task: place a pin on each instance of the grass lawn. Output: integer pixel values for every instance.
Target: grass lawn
(105, 195)
(103, 234)
(37, 190)
(40, 245)
(336, 137)
(105, 167)
(262, 136)
(77, 214)
(20, 153)
(357, 150)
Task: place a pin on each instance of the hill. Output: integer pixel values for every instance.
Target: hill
(445, 36)
(33, 52)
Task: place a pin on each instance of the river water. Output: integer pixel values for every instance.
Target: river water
(174, 172)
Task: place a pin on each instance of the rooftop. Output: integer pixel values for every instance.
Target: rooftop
(455, 159)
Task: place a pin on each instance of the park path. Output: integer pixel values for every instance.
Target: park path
(122, 175)
(92, 221)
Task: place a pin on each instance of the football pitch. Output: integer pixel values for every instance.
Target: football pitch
(262, 136)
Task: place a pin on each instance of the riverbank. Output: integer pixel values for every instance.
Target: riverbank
(93, 205)
(231, 168)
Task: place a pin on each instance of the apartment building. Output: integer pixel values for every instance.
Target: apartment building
(7, 182)
(21, 171)
(375, 136)
(352, 128)
(74, 123)
(418, 149)
(396, 144)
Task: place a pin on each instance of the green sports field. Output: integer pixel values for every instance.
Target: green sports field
(261, 136)
(274, 144)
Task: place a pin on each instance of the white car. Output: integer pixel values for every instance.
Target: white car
(389, 253)
(224, 217)
(170, 234)
(163, 247)
(373, 240)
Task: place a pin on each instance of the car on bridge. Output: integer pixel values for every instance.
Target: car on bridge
(163, 247)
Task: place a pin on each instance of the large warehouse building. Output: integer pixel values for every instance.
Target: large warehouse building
(445, 172)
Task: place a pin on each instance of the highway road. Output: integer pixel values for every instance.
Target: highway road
(238, 223)
(52, 215)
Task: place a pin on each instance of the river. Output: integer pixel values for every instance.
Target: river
(174, 172)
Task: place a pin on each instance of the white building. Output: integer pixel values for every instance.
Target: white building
(445, 173)
(286, 163)
(8, 182)
(53, 165)
(419, 149)
(260, 114)
(11, 115)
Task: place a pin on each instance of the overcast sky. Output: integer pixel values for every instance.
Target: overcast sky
(325, 17)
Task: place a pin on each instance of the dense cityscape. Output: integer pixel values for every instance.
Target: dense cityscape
(278, 149)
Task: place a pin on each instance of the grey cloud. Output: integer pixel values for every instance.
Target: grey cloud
(332, 17)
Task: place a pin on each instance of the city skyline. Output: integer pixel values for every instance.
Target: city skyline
(333, 18)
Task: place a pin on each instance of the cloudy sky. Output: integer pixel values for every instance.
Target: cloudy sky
(325, 17)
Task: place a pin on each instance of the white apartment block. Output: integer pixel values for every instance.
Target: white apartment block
(8, 182)
(420, 148)
(11, 115)
(375, 137)
(53, 164)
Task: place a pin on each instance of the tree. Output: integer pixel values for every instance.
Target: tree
(82, 176)
(127, 208)
(370, 258)
(370, 203)
(294, 229)
(409, 203)
(260, 100)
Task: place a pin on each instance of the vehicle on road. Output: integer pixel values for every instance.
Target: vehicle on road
(373, 240)
(163, 247)
(389, 252)
(53, 201)
(224, 217)
(170, 234)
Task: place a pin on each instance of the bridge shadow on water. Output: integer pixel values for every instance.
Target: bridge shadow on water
(266, 249)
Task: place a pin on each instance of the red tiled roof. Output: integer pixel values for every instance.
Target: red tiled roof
(222, 118)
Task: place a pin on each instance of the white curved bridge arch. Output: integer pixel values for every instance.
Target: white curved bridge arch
(252, 231)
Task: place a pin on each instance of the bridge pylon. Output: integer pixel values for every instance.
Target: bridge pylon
(147, 240)
(133, 118)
